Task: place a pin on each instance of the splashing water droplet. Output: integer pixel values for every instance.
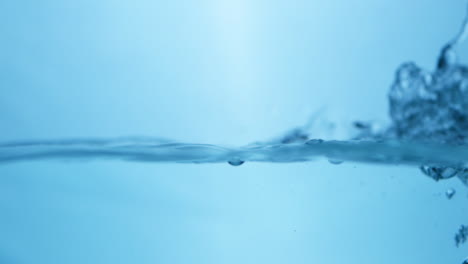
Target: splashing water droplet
(335, 161)
(236, 162)
(450, 193)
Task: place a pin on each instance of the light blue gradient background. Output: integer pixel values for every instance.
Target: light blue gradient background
(224, 72)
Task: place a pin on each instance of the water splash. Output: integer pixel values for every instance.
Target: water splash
(429, 129)
(383, 152)
(432, 107)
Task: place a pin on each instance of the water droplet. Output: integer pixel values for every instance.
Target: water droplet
(450, 193)
(335, 161)
(236, 162)
(465, 261)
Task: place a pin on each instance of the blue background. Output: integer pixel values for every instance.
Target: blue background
(224, 72)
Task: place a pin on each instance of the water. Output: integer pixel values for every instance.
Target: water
(428, 130)
(382, 152)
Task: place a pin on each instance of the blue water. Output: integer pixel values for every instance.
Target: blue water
(216, 81)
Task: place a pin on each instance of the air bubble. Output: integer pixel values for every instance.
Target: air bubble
(450, 193)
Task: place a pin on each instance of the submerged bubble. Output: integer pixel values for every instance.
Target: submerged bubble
(450, 193)
(236, 162)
